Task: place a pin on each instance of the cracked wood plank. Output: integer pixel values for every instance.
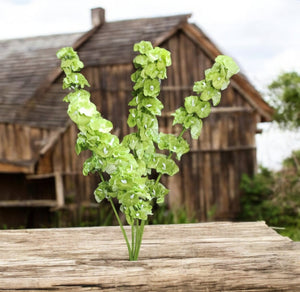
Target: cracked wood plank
(217, 256)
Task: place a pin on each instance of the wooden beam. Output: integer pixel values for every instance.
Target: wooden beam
(227, 149)
(15, 167)
(59, 190)
(52, 174)
(40, 176)
(231, 109)
(27, 203)
(219, 110)
(52, 139)
(216, 256)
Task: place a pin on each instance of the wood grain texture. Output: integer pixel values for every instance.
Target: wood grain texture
(219, 256)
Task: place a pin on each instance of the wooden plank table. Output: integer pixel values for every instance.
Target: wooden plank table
(218, 256)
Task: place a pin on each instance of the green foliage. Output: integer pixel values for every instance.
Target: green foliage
(274, 198)
(285, 98)
(126, 167)
(293, 161)
(197, 107)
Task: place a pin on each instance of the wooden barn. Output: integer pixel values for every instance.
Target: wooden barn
(39, 170)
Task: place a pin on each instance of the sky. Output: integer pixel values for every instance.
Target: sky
(263, 37)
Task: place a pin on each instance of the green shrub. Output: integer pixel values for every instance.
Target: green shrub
(275, 198)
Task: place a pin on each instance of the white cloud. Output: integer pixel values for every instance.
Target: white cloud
(274, 145)
(44, 17)
(284, 61)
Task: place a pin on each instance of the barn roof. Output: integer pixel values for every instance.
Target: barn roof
(25, 63)
(29, 66)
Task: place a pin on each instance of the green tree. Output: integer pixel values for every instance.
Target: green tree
(285, 98)
(274, 196)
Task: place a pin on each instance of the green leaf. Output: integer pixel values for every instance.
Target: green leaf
(69, 65)
(139, 83)
(103, 145)
(78, 95)
(127, 181)
(199, 86)
(103, 191)
(143, 47)
(86, 108)
(81, 143)
(160, 54)
(173, 143)
(229, 64)
(162, 71)
(75, 80)
(166, 57)
(203, 109)
(154, 54)
(140, 211)
(140, 60)
(150, 70)
(196, 127)
(179, 116)
(162, 164)
(76, 117)
(217, 74)
(132, 118)
(151, 87)
(100, 164)
(147, 125)
(88, 166)
(136, 75)
(152, 104)
(216, 98)
(191, 103)
(129, 199)
(194, 105)
(189, 120)
(220, 83)
(134, 196)
(66, 53)
(100, 124)
(157, 190)
(211, 93)
(166, 166)
(131, 141)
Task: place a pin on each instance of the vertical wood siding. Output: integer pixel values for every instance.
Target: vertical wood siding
(208, 183)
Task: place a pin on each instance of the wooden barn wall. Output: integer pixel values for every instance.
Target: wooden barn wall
(63, 161)
(208, 183)
(20, 145)
(110, 91)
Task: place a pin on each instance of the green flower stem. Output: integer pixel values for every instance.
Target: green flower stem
(138, 238)
(122, 228)
(133, 236)
(119, 221)
(182, 132)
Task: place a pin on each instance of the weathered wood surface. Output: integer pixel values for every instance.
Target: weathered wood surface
(219, 256)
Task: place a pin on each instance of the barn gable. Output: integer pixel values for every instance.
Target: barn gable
(33, 118)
